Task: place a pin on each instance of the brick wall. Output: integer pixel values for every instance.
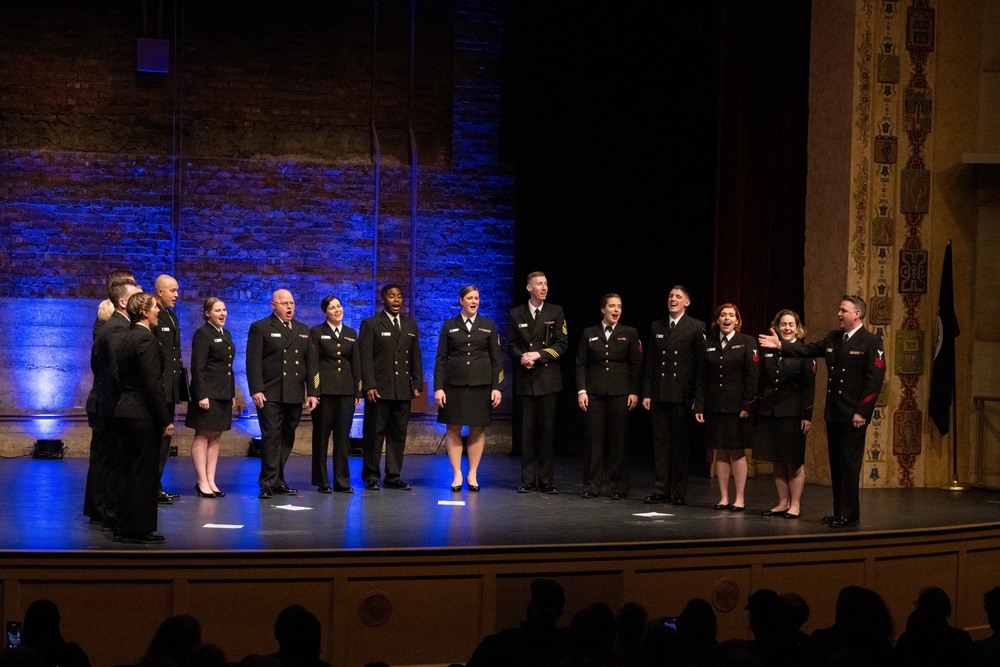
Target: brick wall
(275, 185)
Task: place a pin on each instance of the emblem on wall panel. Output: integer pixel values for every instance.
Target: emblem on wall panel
(914, 190)
(912, 272)
(918, 109)
(906, 426)
(909, 355)
(888, 68)
(883, 230)
(885, 149)
(880, 311)
(883, 398)
(920, 26)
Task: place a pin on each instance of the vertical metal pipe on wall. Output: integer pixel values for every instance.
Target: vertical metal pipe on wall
(176, 138)
(378, 161)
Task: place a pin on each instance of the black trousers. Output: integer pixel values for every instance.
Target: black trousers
(606, 423)
(385, 421)
(278, 422)
(112, 472)
(671, 427)
(165, 448)
(139, 481)
(333, 417)
(538, 424)
(93, 496)
(846, 448)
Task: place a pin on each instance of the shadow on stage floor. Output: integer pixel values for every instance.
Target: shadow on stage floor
(42, 501)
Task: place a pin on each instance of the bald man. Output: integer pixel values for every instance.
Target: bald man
(175, 386)
(282, 372)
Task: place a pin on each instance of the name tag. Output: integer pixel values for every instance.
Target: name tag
(710, 349)
(768, 354)
(522, 325)
(591, 340)
(217, 340)
(386, 333)
(325, 337)
(659, 335)
(453, 330)
(829, 349)
(621, 338)
(275, 335)
(856, 352)
(164, 328)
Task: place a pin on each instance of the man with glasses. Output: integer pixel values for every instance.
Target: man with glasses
(282, 370)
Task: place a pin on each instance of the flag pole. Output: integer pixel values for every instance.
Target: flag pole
(953, 409)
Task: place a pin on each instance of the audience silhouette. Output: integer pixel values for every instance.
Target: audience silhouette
(987, 651)
(41, 634)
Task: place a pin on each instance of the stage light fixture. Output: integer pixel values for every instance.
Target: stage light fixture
(48, 449)
(253, 448)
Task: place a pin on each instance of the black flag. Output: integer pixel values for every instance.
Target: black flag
(943, 372)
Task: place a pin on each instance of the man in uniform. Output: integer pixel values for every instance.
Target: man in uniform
(168, 333)
(391, 376)
(676, 348)
(536, 339)
(855, 361)
(282, 370)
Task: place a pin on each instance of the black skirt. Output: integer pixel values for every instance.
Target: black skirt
(780, 440)
(466, 406)
(724, 430)
(218, 417)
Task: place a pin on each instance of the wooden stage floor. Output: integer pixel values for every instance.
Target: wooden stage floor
(42, 501)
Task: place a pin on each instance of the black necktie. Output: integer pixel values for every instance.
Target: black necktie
(671, 325)
(288, 325)
(537, 310)
(468, 324)
(607, 331)
(336, 333)
(395, 323)
(723, 344)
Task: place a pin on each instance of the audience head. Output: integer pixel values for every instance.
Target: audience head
(593, 628)
(41, 624)
(697, 624)
(175, 638)
(547, 600)
(935, 601)
(206, 655)
(767, 615)
(298, 632)
(796, 610)
(630, 621)
(991, 602)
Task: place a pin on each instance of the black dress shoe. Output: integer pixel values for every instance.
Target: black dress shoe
(588, 494)
(775, 513)
(202, 494)
(398, 484)
(163, 499)
(619, 496)
(656, 499)
(142, 538)
(456, 489)
(324, 489)
(551, 490)
(265, 493)
(736, 508)
(220, 494)
(286, 491)
(344, 489)
(371, 485)
(172, 496)
(678, 500)
(526, 488)
(843, 522)
(474, 488)
(724, 506)
(829, 519)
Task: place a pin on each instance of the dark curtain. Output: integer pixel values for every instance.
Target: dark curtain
(761, 168)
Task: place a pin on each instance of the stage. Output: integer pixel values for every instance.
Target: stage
(41, 511)
(388, 572)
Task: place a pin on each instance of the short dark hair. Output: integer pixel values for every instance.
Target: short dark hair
(325, 303)
(686, 291)
(119, 289)
(119, 274)
(386, 288)
(607, 297)
(718, 311)
(858, 302)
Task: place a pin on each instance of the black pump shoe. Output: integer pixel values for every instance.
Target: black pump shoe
(202, 494)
